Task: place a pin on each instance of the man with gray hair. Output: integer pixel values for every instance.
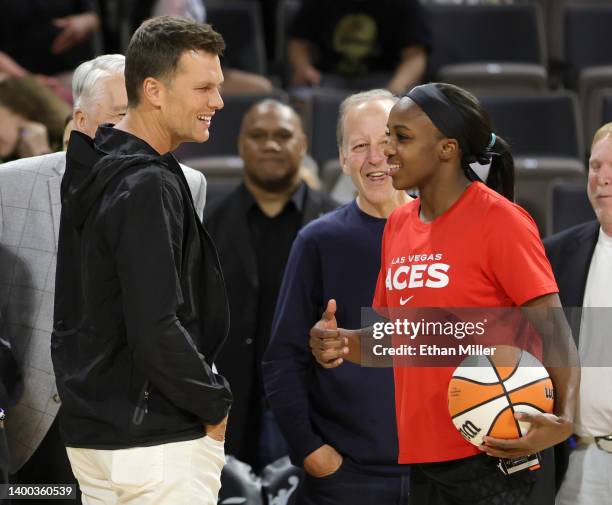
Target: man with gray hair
(339, 424)
(29, 227)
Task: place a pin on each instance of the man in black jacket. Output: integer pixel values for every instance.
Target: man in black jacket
(140, 307)
(254, 227)
(581, 258)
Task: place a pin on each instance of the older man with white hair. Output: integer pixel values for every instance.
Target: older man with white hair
(29, 227)
(581, 258)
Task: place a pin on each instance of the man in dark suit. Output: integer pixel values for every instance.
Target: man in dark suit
(581, 258)
(254, 228)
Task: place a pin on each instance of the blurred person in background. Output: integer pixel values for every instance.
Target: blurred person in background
(31, 118)
(359, 44)
(236, 81)
(346, 457)
(254, 227)
(46, 37)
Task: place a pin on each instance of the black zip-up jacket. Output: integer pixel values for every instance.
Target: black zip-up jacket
(140, 303)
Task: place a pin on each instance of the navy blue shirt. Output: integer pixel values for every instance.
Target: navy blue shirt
(350, 408)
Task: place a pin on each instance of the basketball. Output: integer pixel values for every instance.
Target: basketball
(486, 391)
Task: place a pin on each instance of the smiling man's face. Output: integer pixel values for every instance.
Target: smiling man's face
(272, 144)
(599, 185)
(362, 154)
(192, 97)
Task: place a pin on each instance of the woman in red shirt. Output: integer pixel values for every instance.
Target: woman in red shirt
(460, 244)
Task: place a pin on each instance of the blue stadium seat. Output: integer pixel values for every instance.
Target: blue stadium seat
(587, 52)
(587, 34)
(538, 126)
(606, 112)
(322, 112)
(546, 140)
(502, 47)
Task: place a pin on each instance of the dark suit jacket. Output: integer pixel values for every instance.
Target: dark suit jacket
(570, 253)
(226, 221)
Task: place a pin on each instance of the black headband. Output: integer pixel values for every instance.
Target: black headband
(442, 113)
(445, 116)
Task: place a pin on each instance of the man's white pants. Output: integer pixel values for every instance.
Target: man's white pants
(588, 480)
(177, 473)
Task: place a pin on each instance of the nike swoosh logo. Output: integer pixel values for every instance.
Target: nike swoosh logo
(405, 301)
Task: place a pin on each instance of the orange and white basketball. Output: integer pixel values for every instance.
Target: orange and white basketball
(486, 391)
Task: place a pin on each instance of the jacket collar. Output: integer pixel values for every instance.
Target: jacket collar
(110, 140)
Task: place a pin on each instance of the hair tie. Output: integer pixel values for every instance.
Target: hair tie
(492, 142)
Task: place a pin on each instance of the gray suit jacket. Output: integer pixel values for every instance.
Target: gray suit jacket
(29, 226)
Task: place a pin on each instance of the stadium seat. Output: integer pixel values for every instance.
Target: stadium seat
(496, 78)
(544, 133)
(607, 107)
(569, 206)
(502, 47)
(538, 126)
(587, 34)
(322, 115)
(594, 83)
(241, 26)
(587, 51)
(532, 185)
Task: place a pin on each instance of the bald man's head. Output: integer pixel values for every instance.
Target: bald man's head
(272, 144)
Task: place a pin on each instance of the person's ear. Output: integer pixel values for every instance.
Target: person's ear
(448, 149)
(80, 120)
(154, 91)
(343, 161)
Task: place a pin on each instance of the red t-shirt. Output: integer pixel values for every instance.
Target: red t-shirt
(484, 251)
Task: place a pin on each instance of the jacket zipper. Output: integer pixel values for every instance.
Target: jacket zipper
(142, 407)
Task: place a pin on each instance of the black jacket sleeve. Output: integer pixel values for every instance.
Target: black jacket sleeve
(146, 227)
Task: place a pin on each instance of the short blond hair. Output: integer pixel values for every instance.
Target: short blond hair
(604, 131)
